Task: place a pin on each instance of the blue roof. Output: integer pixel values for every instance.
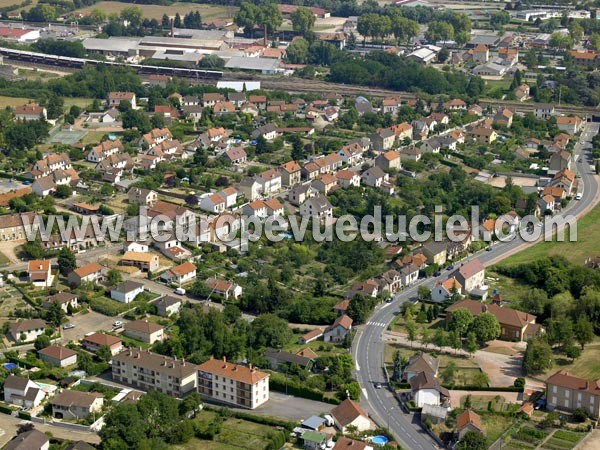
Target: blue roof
(313, 422)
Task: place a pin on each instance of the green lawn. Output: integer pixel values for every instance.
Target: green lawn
(4, 261)
(587, 244)
(586, 366)
(494, 425)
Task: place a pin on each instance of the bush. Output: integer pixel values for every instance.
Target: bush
(276, 383)
(580, 415)
(5, 410)
(519, 382)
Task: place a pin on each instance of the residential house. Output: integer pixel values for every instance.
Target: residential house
(144, 331)
(213, 203)
(312, 335)
(31, 111)
(63, 299)
(258, 100)
(403, 131)
(390, 105)
(167, 305)
(344, 443)
(39, 272)
(193, 112)
(230, 383)
(560, 161)
(11, 225)
(210, 99)
(388, 161)
(132, 246)
(337, 331)
(142, 196)
(274, 207)
(44, 186)
(427, 390)
(267, 131)
(146, 262)
(277, 357)
(174, 377)
(224, 288)
(514, 324)
(432, 145)
(436, 252)
(300, 193)
(58, 356)
(257, 208)
(544, 111)
(127, 291)
(383, 140)
(27, 330)
(420, 362)
(455, 105)
(75, 404)
(522, 92)
(180, 274)
(313, 440)
(508, 56)
(156, 136)
(584, 58)
(374, 177)
(571, 125)
(317, 207)
(115, 99)
(409, 275)
(481, 54)
(29, 440)
(250, 108)
(568, 392)
(22, 392)
(89, 273)
(350, 414)
(346, 178)
(470, 275)
(468, 421)
(103, 150)
(270, 181)
(565, 179)
(291, 173)
(484, 135)
(547, 203)
(223, 108)
(351, 154)
(504, 117)
(325, 183)
(229, 194)
(237, 98)
(443, 290)
(93, 342)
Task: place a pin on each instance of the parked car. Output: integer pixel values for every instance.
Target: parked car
(180, 291)
(68, 326)
(117, 324)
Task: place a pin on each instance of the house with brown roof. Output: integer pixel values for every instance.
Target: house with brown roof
(144, 331)
(504, 117)
(58, 356)
(224, 288)
(180, 274)
(346, 178)
(276, 357)
(31, 111)
(174, 377)
(344, 443)
(455, 105)
(115, 99)
(64, 300)
(39, 272)
(29, 440)
(325, 183)
(468, 421)
(94, 341)
(388, 160)
(229, 383)
(571, 125)
(418, 363)
(210, 99)
(312, 335)
(584, 58)
(337, 331)
(481, 54)
(470, 275)
(443, 290)
(522, 92)
(567, 392)
(146, 262)
(427, 390)
(565, 179)
(291, 173)
(75, 404)
(27, 330)
(484, 135)
(514, 324)
(350, 413)
(89, 273)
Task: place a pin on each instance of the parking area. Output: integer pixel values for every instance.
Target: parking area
(291, 408)
(84, 323)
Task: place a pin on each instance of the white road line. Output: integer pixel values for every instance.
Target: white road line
(364, 391)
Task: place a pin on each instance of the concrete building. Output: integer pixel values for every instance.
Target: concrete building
(75, 404)
(567, 392)
(127, 291)
(230, 383)
(146, 370)
(144, 331)
(58, 356)
(27, 330)
(22, 392)
(350, 413)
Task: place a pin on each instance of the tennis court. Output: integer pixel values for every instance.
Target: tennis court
(65, 137)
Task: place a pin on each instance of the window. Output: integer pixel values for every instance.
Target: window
(554, 389)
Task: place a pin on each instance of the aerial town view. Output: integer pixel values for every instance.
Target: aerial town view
(283, 224)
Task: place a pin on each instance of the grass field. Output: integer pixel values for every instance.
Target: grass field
(587, 244)
(236, 434)
(586, 366)
(157, 11)
(19, 101)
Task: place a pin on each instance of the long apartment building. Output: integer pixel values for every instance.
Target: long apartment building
(145, 370)
(230, 383)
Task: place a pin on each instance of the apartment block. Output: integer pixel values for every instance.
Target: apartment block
(230, 383)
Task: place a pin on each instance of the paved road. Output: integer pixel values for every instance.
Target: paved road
(368, 348)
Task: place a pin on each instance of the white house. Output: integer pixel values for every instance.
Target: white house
(444, 289)
(337, 331)
(213, 203)
(229, 194)
(134, 246)
(426, 390)
(27, 330)
(22, 392)
(180, 274)
(126, 292)
(349, 413)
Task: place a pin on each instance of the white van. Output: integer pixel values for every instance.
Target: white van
(180, 291)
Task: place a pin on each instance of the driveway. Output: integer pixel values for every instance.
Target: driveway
(289, 407)
(85, 323)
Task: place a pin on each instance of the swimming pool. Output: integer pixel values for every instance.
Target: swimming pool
(380, 440)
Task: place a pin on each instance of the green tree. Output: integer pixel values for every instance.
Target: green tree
(425, 336)
(439, 31)
(403, 29)
(63, 191)
(595, 41)
(269, 330)
(575, 31)
(113, 277)
(481, 379)
(397, 373)
(454, 340)
(561, 41)
(471, 343)
(411, 330)
(472, 440)
(486, 327)
(538, 356)
(584, 331)
(104, 353)
(133, 15)
(66, 261)
(460, 321)
(55, 314)
(439, 338)
(41, 342)
(449, 374)
(303, 21)
(247, 16)
(297, 51)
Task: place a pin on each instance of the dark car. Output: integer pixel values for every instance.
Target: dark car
(489, 249)
(450, 267)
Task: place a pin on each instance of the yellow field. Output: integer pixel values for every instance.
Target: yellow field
(157, 11)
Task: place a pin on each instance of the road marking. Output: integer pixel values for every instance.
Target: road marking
(357, 366)
(364, 391)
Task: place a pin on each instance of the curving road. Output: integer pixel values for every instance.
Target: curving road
(368, 347)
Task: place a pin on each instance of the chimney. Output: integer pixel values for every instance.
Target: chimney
(250, 366)
(224, 358)
(41, 266)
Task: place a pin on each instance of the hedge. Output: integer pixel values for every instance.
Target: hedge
(485, 389)
(5, 410)
(297, 390)
(24, 415)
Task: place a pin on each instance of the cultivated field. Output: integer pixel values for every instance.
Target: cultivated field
(157, 11)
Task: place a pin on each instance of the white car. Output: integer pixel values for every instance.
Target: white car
(578, 196)
(117, 324)
(180, 291)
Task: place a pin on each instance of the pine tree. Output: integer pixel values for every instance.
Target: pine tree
(397, 374)
(177, 22)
